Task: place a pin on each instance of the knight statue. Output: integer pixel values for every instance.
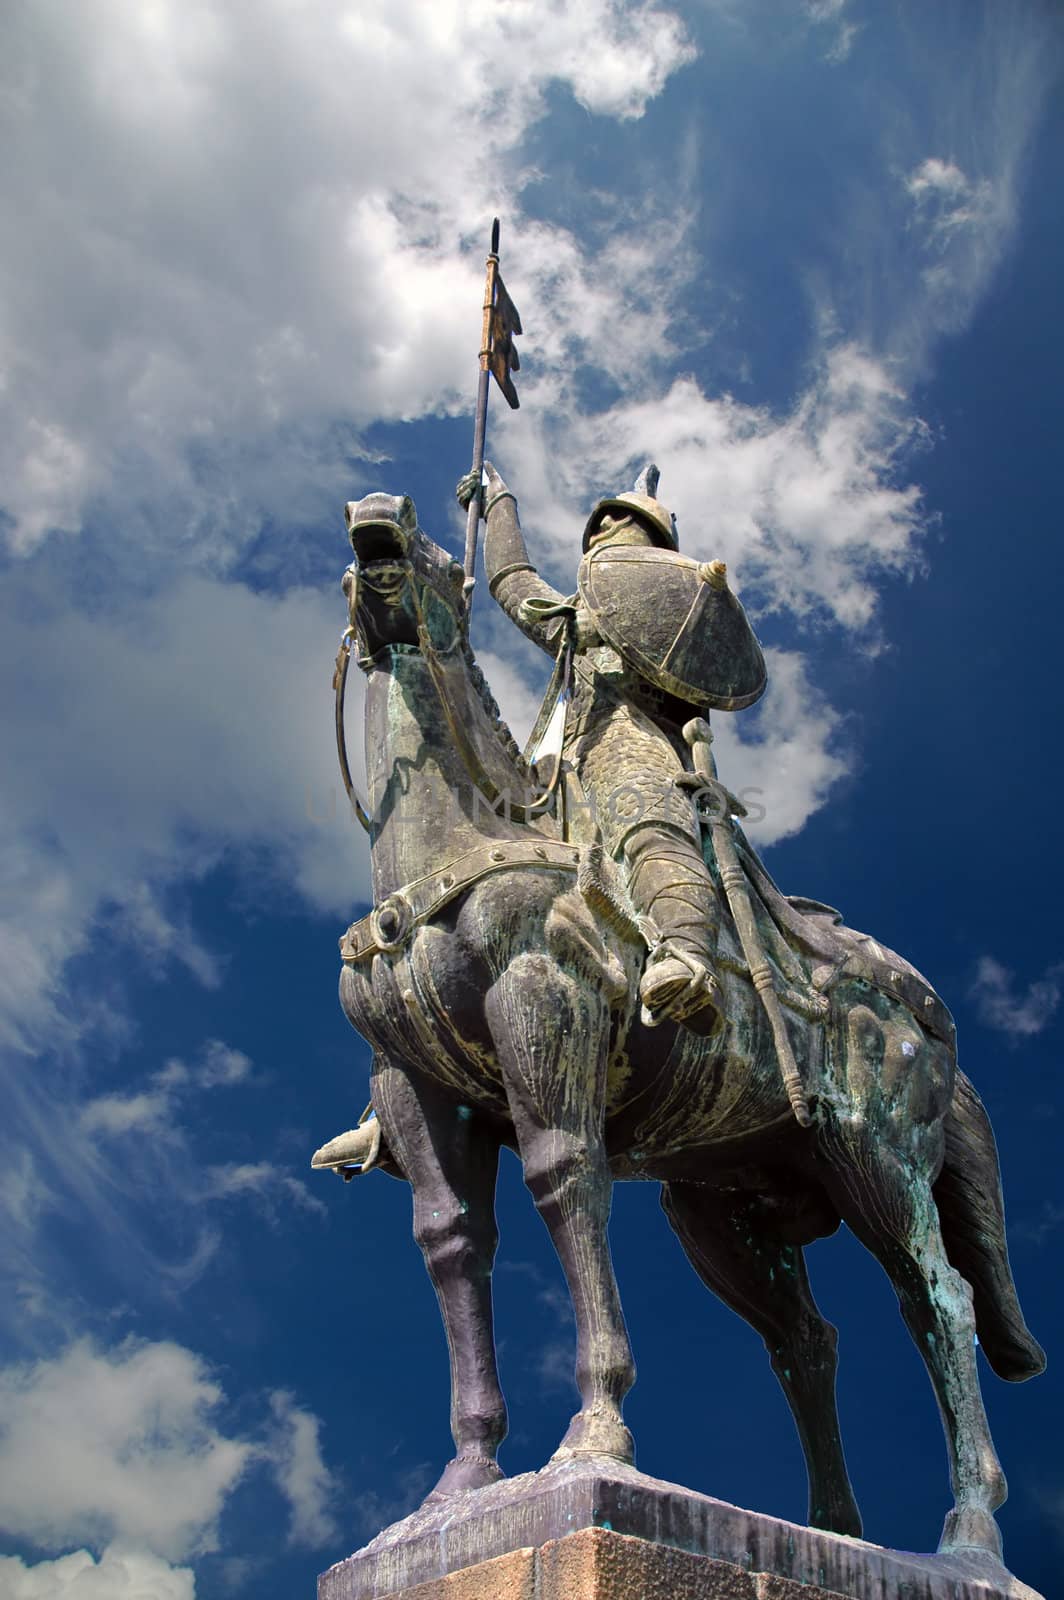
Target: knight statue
(656, 638)
(510, 975)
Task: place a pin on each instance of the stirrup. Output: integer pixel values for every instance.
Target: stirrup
(688, 990)
(353, 1152)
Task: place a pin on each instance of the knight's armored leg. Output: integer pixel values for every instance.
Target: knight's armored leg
(669, 884)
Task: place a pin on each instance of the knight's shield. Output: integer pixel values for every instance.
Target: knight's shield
(676, 623)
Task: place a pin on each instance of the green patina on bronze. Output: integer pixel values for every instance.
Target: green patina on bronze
(614, 986)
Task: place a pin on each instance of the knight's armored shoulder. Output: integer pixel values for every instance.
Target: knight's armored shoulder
(676, 623)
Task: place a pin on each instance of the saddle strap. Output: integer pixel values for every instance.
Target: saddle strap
(391, 922)
(919, 999)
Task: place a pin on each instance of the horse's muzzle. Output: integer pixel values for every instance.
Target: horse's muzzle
(377, 541)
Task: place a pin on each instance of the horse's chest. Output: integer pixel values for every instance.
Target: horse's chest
(419, 1006)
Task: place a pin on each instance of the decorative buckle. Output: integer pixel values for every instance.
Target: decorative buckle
(390, 923)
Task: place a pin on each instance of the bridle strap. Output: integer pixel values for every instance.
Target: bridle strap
(343, 661)
(475, 768)
(463, 744)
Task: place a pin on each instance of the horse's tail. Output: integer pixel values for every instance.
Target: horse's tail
(972, 1216)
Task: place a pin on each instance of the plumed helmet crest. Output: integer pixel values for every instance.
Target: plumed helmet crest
(641, 503)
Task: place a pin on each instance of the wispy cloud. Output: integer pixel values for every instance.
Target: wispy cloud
(375, 1509)
(946, 198)
(118, 1114)
(839, 29)
(1004, 1004)
(189, 739)
(157, 1108)
(91, 1161)
(556, 1356)
(300, 1472)
(261, 1181)
(1039, 1229)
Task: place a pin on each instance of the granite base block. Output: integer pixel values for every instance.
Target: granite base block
(593, 1529)
(597, 1565)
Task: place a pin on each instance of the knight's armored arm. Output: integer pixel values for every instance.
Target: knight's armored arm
(512, 579)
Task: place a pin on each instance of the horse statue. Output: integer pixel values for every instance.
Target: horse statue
(497, 981)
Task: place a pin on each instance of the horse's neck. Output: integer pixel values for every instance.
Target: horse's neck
(426, 807)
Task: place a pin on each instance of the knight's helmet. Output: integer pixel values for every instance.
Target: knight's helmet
(642, 504)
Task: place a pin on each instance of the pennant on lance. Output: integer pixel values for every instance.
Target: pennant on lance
(502, 357)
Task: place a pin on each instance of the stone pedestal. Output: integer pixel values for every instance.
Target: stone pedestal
(593, 1529)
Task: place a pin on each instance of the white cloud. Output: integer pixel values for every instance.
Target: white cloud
(943, 182)
(116, 1446)
(1002, 1005)
(118, 1114)
(246, 275)
(157, 1108)
(191, 729)
(783, 760)
(222, 1065)
(263, 1181)
(831, 15)
(301, 1473)
(122, 1449)
(145, 924)
(23, 1192)
(961, 169)
(807, 508)
(239, 229)
(120, 1574)
(224, 322)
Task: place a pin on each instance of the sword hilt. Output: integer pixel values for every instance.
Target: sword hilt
(699, 735)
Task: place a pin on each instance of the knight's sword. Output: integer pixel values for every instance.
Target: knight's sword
(699, 736)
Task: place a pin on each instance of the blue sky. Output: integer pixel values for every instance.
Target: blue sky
(807, 257)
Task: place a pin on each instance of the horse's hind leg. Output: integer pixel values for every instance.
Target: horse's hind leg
(550, 1033)
(880, 1157)
(737, 1253)
(451, 1161)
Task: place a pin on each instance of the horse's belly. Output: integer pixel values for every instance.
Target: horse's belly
(722, 1089)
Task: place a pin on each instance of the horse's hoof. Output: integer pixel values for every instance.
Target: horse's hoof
(596, 1433)
(970, 1528)
(461, 1475)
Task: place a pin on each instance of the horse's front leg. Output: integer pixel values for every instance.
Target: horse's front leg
(451, 1160)
(550, 1031)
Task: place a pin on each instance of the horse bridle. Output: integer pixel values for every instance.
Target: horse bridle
(475, 768)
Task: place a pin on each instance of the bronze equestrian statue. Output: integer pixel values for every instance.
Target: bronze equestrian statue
(599, 972)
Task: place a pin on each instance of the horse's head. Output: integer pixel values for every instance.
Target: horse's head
(400, 582)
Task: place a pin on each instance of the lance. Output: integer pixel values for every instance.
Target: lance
(498, 356)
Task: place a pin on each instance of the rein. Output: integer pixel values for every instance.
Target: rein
(475, 768)
(460, 738)
(343, 661)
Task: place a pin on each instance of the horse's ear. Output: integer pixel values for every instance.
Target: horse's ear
(406, 514)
